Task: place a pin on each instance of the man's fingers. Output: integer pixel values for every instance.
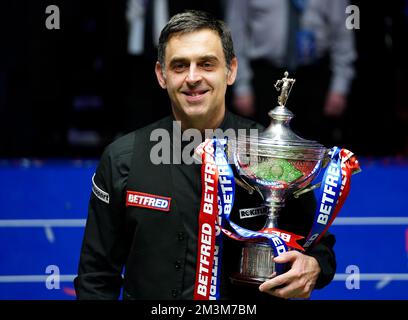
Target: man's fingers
(292, 290)
(288, 256)
(274, 282)
(283, 278)
(286, 286)
(285, 292)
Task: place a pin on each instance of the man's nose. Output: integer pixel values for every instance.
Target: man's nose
(194, 75)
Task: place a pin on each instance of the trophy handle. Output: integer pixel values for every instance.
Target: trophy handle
(245, 185)
(299, 192)
(306, 189)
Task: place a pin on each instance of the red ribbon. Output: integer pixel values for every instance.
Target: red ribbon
(206, 224)
(349, 165)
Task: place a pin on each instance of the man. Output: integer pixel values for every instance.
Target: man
(157, 245)
(131, 50)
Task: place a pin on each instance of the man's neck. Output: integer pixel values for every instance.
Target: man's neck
(200, 123)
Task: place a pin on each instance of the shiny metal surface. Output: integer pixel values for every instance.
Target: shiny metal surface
(276, 164)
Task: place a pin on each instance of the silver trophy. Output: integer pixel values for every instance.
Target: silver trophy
(275, 164)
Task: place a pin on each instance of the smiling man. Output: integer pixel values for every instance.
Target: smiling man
(195, 71)
(143, 219)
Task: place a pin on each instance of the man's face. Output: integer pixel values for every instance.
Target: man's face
(196, 75)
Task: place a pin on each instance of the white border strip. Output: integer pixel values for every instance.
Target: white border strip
(372, 276)
(42, 223)
(371, 221)
(35, 278)
(337, 277)
(340, 221)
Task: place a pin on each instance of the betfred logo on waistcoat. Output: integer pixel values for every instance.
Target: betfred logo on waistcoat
(146, 200)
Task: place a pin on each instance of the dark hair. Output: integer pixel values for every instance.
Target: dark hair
(194, 20)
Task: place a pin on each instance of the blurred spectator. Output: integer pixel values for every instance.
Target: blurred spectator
(83, 76)
(311, 41)
(133, 28)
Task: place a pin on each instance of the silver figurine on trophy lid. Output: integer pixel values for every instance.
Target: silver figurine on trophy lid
(276, 164)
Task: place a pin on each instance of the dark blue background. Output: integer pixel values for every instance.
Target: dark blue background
(31, 189)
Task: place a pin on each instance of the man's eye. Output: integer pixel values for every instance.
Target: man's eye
(208, 65)
(179, 67)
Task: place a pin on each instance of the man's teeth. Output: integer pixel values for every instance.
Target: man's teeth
(193, 94)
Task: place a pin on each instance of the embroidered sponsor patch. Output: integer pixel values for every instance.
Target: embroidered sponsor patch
(98, 192)
(253, 212)
(146, 200)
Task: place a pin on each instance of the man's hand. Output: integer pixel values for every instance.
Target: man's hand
(244, 105)
(335, 105)
(298, 282)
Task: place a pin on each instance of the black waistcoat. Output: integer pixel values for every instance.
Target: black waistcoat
(162, 256)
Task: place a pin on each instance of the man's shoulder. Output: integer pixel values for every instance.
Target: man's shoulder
(244, 123)
(124, 145)
(121, 146)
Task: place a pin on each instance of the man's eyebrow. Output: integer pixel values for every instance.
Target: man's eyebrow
(175, 60)
(208, 57)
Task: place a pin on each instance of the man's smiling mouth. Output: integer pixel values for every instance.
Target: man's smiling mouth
(196, 96)
(195, 93)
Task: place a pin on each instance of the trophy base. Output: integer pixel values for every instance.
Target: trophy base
(257, 264)
(238, 279)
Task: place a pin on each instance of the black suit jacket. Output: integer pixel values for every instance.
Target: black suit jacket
(158, 249)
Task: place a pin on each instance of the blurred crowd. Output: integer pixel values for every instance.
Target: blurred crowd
(68, 92)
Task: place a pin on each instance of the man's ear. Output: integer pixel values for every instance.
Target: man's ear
(159, 74)
(232, 72)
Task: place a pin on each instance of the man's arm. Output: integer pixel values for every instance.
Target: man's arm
(343, 54)
(238, 21)
(324, 254)
(103, 250)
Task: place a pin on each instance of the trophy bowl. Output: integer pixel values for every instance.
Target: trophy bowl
(276, 163)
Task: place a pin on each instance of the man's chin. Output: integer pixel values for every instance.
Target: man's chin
(198, 111)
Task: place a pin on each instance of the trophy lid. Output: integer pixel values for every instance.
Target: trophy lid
(278, 140)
